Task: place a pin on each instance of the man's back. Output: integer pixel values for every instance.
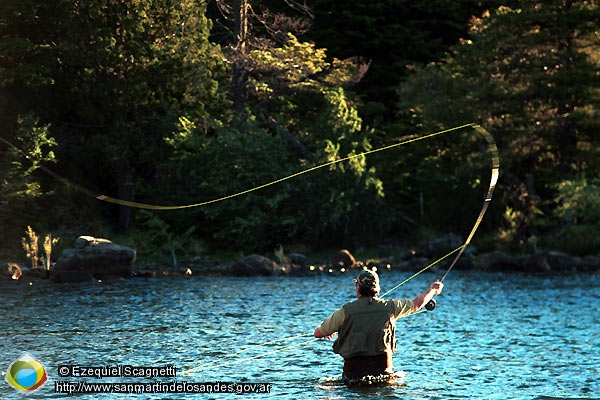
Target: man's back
(369, 327)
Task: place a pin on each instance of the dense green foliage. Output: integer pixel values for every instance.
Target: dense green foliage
(149, 101)
(530, 75)
(324, 208)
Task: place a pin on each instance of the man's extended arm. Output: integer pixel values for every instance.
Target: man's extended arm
(422, 299)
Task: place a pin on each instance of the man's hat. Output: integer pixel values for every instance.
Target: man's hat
(367, 278)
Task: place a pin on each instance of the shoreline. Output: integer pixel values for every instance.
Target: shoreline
(544, 262)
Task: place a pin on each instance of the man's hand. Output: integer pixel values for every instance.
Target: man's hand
(436, 287)
(319, 335)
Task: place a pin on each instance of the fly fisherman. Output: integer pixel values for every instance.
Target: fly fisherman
(366, 327)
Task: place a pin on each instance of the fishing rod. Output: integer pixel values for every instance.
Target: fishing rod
(488, 198)
(495, 158)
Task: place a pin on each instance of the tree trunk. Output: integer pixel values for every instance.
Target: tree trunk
(292, 140)
(126, 189)
(239, 59)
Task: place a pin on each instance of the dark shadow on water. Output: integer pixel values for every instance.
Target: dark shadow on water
(370, 387)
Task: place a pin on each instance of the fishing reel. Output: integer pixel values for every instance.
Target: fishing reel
(430, 306)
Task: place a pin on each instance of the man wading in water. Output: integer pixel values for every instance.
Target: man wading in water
(366, 327)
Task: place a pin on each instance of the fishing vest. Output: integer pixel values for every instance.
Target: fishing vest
(368, 329)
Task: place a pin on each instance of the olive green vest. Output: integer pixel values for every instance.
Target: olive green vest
(368, 329)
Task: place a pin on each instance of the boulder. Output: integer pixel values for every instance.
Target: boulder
(536, 262)
(298, 265)
(551, 261)
(541, 261)
(590, 263)
(415, 264)
(254, 265)
(442, 246)
(297, 259)
(100, 258)
(501, 261)
(343, 259)
(563, 262)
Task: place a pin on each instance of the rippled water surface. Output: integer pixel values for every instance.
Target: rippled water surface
(492, 336)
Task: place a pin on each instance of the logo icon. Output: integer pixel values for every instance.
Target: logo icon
(26, 374)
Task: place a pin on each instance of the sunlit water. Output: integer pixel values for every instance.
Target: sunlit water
(492, 336)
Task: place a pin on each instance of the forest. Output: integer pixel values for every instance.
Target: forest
(180, 103)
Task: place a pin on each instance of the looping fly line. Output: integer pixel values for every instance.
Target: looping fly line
(134, 204)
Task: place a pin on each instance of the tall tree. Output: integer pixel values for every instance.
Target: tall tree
(117, 75)
(22, 196)
(242, 26)
(314, 122)
(529, 74)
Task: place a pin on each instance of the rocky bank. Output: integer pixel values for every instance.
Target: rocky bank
(93, 259)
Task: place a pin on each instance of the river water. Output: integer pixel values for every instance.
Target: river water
(492, 336)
